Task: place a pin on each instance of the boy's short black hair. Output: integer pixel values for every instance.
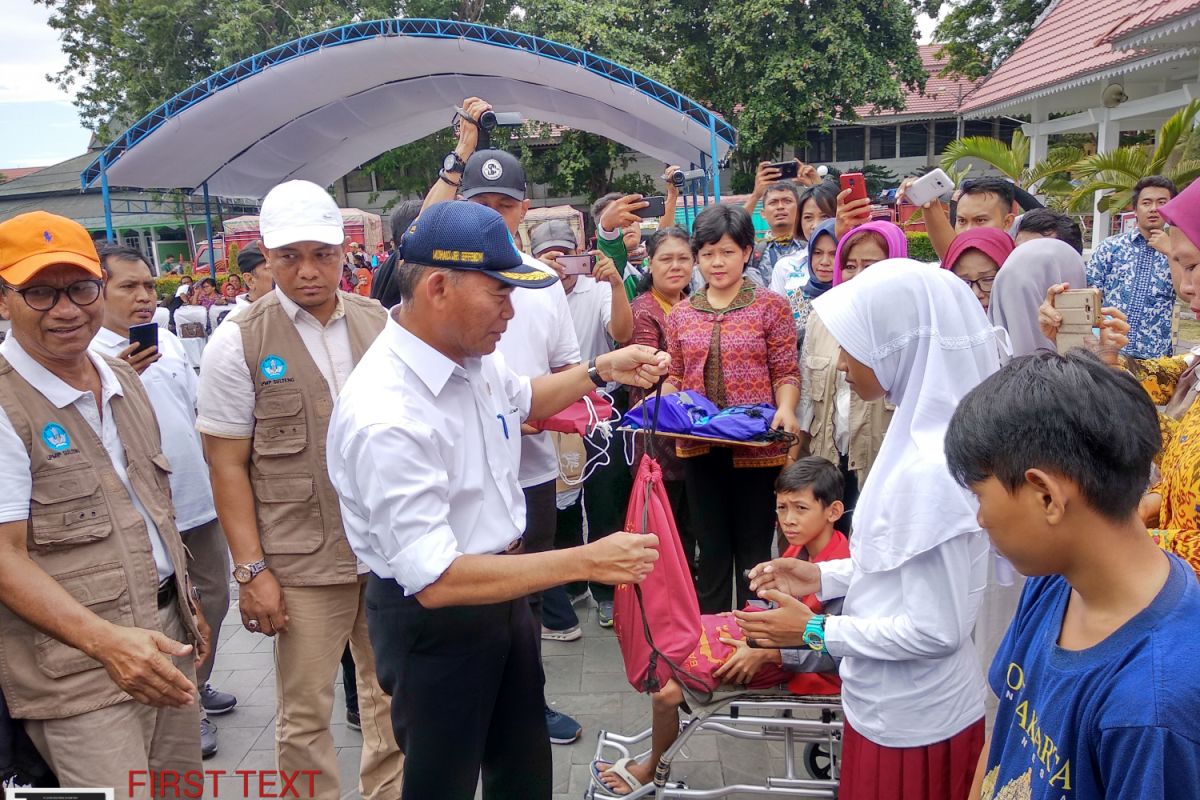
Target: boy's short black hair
(997, 186)
(714, 222)
(815, 473)
(1048, 222)
(1156, 181)
(1069, 415)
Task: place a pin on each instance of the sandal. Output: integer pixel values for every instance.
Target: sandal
(620, 769)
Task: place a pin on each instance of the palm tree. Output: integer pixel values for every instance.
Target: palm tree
(1116, 171)
(1049, 176)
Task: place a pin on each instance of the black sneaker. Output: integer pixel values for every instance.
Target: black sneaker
(216, 703)
(353, 720)
(208, 739)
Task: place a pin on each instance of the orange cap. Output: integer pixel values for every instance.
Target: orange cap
(31, 242)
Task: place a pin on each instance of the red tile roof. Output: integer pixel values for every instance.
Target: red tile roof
(1065, 44)
(12, 173)
(1151, 14)
(940, 98)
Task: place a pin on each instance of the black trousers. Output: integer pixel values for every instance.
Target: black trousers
(541, 520)
(733, 518)
(467, 693)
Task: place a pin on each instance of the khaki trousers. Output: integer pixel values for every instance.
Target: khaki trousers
(117, 746)
(321, 619)
(208, 567)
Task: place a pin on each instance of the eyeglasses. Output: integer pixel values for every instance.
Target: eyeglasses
(983, 284)
(44, 298)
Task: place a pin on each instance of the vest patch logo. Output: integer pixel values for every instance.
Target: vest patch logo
(273, 368)
(56, 438)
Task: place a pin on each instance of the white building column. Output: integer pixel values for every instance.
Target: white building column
(1037, 138)
(1108, 134)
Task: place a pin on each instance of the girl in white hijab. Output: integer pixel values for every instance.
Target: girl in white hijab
(912, 687)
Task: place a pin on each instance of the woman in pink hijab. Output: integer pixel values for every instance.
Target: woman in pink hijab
(976, 256)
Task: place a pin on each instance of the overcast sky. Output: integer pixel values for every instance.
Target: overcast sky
(38, 124)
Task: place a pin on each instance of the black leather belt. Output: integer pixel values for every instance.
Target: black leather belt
(167, 592)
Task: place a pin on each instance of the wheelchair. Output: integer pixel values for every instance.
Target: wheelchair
(809, 728)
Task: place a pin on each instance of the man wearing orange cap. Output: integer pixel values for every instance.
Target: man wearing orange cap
(99, 633)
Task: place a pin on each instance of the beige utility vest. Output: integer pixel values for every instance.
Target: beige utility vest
(868, 420)
(85, 532)
(299, 519)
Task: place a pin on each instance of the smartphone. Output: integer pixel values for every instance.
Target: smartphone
(144, 336)
(929, 187)
(787, 169)
(857, 185)
(657, 207)
(577, 265)
(1080, 310)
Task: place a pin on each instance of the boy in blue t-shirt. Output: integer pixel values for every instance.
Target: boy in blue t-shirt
(1099, 673)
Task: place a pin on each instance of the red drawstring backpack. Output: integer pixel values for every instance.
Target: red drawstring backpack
(657, 622)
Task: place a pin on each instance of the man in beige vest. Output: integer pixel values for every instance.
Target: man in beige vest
(98, 629)
(267, 386)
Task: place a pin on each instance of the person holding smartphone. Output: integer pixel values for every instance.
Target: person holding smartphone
(171, 385)
(602, 316)
(780, 198)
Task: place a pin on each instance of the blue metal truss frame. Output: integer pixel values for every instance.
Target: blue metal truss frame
(422, 28)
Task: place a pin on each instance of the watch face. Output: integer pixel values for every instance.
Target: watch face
(813, 640)
(450, 163)
(241, 574)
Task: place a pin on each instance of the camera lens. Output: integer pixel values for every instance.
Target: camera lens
(487, 120)
(677, 178)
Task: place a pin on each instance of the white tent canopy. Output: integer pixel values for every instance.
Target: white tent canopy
(318, 107)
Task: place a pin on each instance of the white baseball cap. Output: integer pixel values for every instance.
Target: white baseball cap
(299, 211)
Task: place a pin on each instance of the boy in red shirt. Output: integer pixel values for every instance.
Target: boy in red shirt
(808, 502)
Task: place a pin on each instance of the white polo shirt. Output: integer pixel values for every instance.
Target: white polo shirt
(539, 339)
(171, 386)
(590, 303)
(225, 401)
(15, 475)
(423, 453)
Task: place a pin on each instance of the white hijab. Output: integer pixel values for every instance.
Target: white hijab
(1021, 286)
(924, 334)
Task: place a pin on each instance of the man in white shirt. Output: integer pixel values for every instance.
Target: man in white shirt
(540, 340)
(97, 623)
(170, 381)
(267, 385)
(423, 451)
(601, 316)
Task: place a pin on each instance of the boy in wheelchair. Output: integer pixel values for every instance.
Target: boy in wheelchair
(808, 502)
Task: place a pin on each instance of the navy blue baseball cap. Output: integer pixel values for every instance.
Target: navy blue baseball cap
(457, 234)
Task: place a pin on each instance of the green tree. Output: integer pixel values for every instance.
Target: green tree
(124, 57)
(978, 34)
(1116, 172)
(773, 68)
(1051, 175)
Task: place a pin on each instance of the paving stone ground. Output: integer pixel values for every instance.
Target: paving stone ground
(585, 679)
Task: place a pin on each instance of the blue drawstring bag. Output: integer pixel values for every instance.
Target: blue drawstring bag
(677, 413)
(744, 423)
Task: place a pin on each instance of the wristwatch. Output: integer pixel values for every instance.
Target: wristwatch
(814, 633)
(244, 573)
(594, 375)
(453, 163)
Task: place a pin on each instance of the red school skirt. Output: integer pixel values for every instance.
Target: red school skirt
(939, 771)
